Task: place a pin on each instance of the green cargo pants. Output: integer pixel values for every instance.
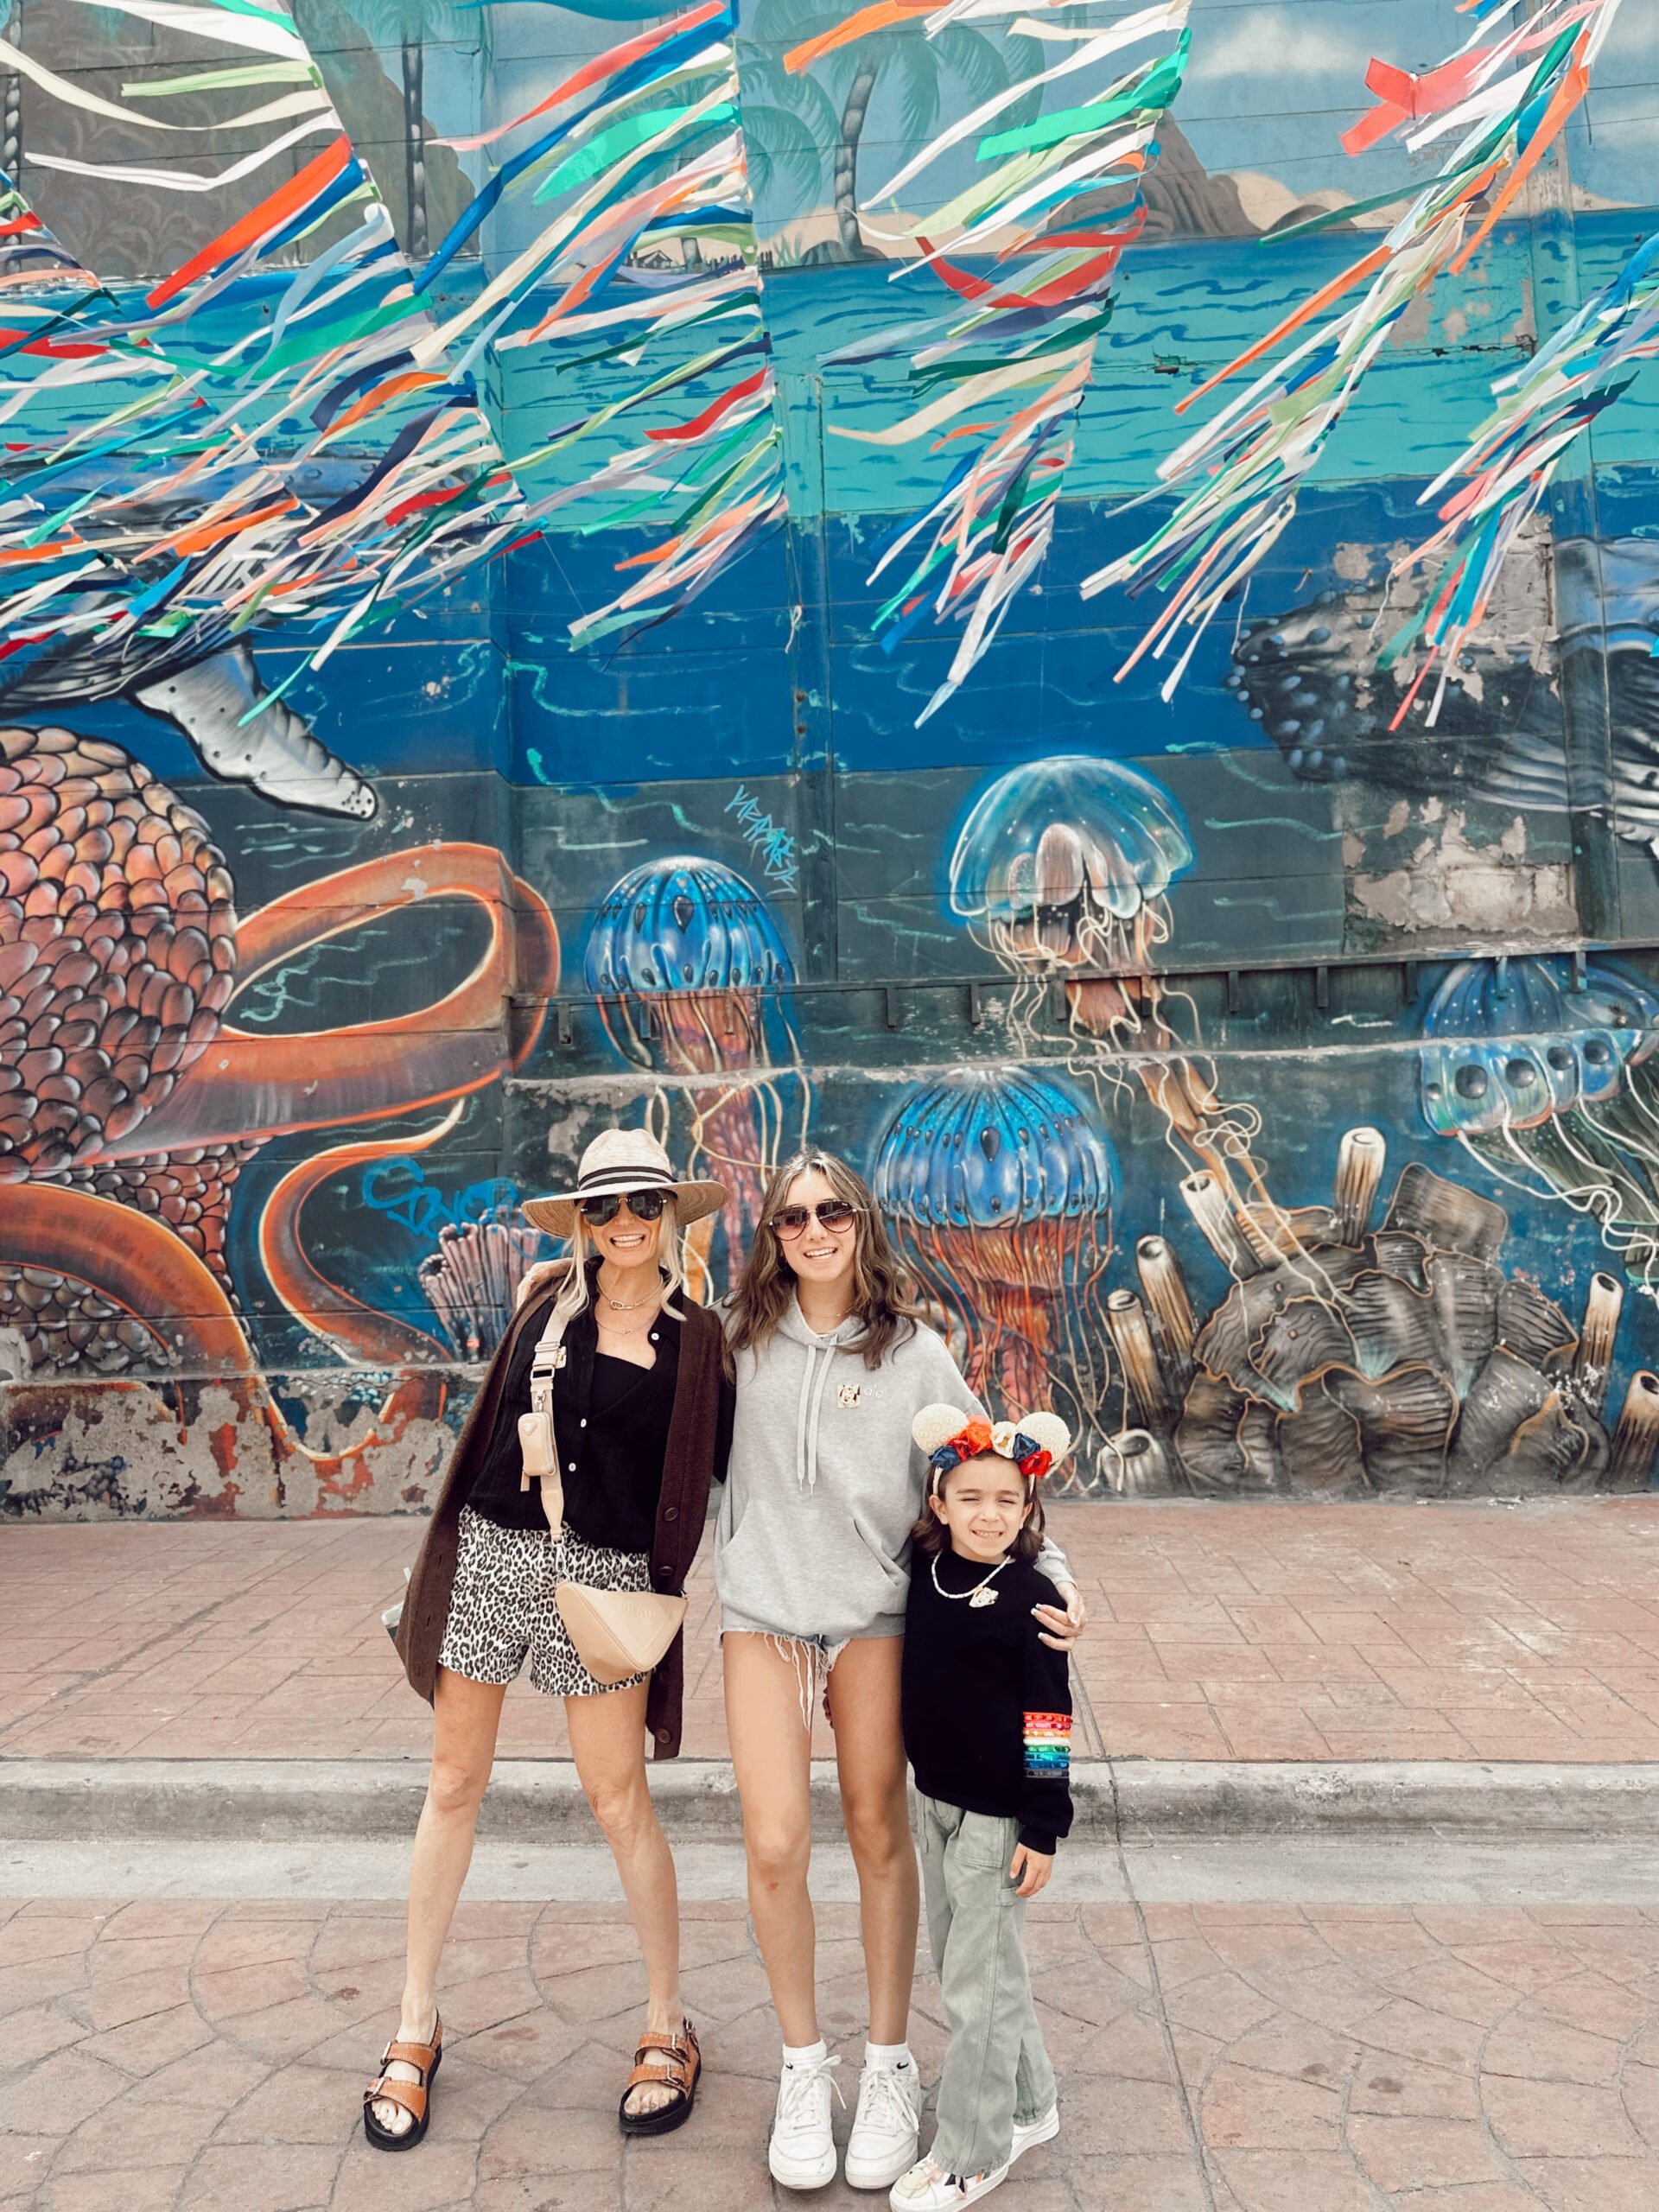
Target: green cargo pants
(996, 2071)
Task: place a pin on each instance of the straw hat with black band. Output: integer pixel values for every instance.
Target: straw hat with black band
(620, 1160)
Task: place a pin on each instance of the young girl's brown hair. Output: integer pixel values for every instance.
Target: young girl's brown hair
(929, 1537)
(883, 1295)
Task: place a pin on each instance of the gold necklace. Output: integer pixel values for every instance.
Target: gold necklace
(630, 1305)
(831, 1328)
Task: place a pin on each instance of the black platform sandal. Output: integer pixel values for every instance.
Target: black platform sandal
(680, 2069)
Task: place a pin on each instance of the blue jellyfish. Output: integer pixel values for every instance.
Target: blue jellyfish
(680, 955)
(1522, 1045)
(999, 1188)
(684, 926)
(1066, 864)
(1530, 1065)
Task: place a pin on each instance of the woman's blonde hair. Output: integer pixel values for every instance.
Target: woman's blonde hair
(882, 1290)
(574, 1298)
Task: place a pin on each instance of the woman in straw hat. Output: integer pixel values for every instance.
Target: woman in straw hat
(642, 1413)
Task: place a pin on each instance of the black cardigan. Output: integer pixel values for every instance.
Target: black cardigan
(701, 1408)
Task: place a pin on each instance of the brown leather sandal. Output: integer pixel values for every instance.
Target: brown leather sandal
(415, 2097)
(680, 2069)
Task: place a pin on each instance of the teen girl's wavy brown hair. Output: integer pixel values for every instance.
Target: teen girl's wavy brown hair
(883, 1294)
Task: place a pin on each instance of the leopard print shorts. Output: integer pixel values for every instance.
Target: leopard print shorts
(503, 1612)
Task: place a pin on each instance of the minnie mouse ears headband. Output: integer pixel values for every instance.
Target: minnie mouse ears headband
(1035, 1443)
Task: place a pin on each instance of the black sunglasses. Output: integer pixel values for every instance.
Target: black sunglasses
(644, 1205)
(835, 1214)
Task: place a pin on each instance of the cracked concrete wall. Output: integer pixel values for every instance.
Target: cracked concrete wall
(1448, 881)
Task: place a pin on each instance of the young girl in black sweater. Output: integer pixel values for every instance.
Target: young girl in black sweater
(987, 1711)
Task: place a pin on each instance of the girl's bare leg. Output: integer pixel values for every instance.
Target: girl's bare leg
(608, 1742)
(465, 1716)
(772, 1755)
(870, 1764)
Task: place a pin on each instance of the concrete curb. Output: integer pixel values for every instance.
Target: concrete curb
(1133, 1800)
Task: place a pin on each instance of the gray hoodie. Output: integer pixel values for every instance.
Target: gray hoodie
(825, 1484)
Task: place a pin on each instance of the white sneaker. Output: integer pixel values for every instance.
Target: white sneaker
(928, 2187)
(802, 2152)
(886, 2126)
(1040, 2130)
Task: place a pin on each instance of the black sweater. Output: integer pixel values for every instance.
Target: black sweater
(987, 1704)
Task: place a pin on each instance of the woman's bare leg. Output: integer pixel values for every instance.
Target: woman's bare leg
(772, 1756)
(870, 1763)
(608, 1742)
(465, 1716)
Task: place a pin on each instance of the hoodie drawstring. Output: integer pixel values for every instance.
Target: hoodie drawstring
(800, 1418)
(812, 1423)
(819, 1359)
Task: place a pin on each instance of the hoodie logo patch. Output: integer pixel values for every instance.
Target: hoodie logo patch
(849, 1394)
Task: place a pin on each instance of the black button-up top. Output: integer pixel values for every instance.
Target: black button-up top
(610, 1423)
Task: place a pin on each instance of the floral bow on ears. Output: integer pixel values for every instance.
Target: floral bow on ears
(1005, 1437)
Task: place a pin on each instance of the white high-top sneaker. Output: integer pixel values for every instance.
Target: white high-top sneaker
(802, 2152)
(887, 2125)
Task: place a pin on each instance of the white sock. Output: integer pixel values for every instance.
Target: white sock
(806, 2054)
(888, 2053)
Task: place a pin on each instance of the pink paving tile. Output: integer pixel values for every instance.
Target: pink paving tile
(1396, 1631)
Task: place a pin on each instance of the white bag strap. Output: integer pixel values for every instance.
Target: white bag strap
(549, 1356)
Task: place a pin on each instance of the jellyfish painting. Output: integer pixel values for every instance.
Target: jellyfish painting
(999, 1187)
(1538, 1066)
(682, 959)
(1062, 871)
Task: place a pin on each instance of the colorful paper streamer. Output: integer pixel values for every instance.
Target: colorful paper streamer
(245, 443)
(1513, 458)
(1503, 100)
(638, 152)
(1030, 328)
(248, 443)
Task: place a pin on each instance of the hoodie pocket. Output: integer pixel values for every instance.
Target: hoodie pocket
(745, 1561)
(895, 1574)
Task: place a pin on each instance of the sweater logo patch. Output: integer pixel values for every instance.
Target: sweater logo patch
(1048, 1743)
(849, 1394)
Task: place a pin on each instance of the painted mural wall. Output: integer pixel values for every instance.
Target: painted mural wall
(1061, 599)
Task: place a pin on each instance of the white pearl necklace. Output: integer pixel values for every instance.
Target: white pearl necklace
(982, 1593)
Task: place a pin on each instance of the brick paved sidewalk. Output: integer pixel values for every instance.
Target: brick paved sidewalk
(1212, 2059)
(1220, 1632)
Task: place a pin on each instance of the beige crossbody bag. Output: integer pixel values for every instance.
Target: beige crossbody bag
(616, 1633)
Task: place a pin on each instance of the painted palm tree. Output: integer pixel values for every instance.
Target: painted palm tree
(790, 125)
(408, 24)
(801, 123)
(11, 104)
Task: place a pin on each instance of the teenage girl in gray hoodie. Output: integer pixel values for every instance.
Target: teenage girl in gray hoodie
(812, 1569)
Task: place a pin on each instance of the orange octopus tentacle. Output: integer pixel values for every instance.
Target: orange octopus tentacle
(134, 1260)
(244, 1086)
(306, 1291)
(332, 905)
(138, 1264)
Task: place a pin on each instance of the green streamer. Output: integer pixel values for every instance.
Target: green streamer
(620, 140)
